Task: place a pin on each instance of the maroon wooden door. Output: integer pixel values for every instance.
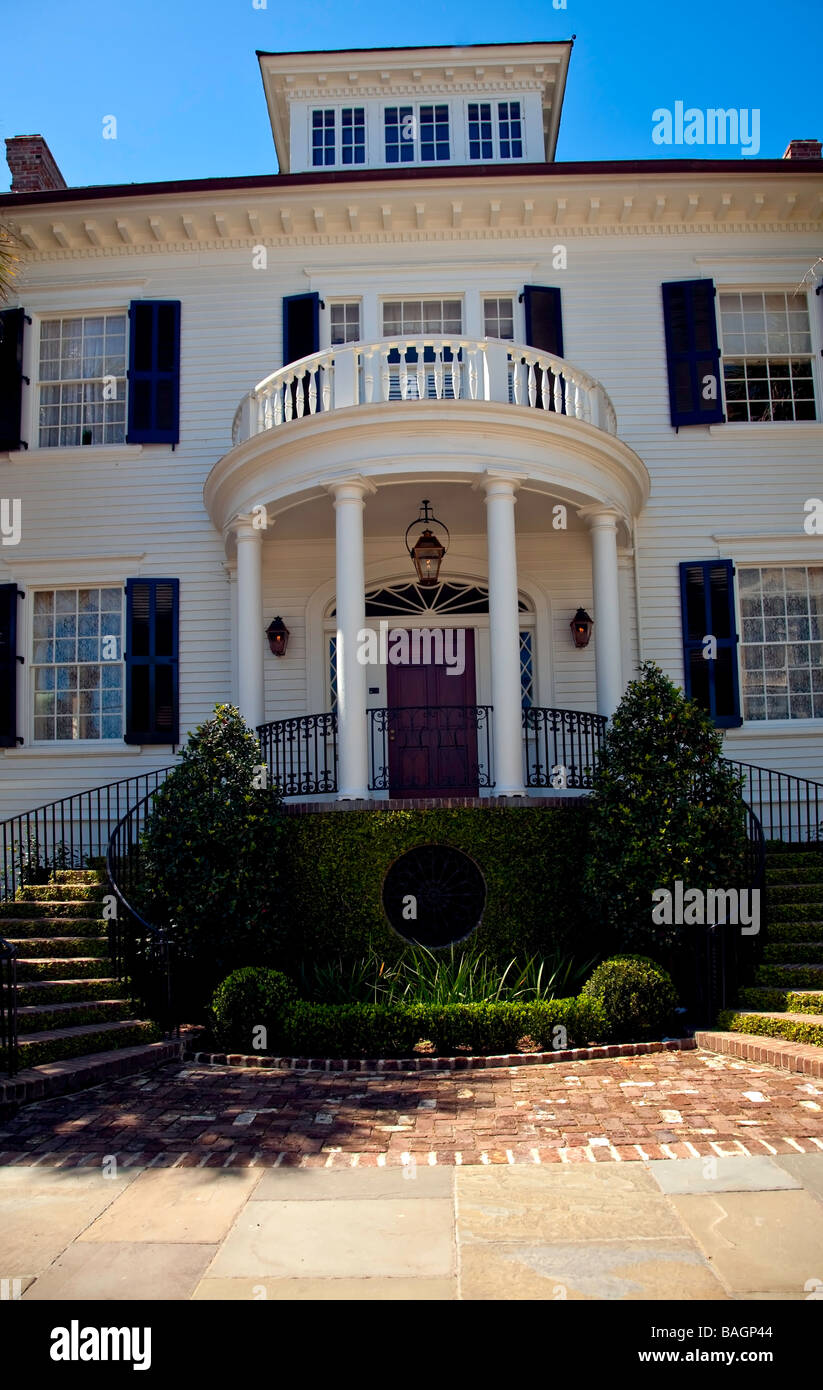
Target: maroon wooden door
(432, 728)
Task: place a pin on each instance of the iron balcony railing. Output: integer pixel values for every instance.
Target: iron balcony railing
(561, 747)
(301, 754)
(789, 808)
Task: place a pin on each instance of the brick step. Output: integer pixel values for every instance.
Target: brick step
(780, 893)
(54, 1044)
(16, 927)
(799, 1001)
(36, 947)
(83, 907)
(794, 1027)
(791, 931)
(35, 1018)
(58, 968)
(794, 952)
(64, 991)
(776, 1052)
(59, 892)
(79, 876)
(75, 1073)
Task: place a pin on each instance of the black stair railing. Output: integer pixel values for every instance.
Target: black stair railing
(789, 808)
(66, 834)
(301, 753)
(142, 950)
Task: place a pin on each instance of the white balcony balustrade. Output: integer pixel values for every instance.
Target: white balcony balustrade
(418, 369)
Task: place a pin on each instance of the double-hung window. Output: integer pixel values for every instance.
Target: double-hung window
(781, 610)
(767, 355)
(77, 664)
(498, 317)
(344, 322)
(495, 130)
(338, 136)
(413, 376)
(82, 380)
(417, 133)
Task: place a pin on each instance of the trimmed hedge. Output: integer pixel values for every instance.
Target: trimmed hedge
(332, 868)
(637, 997)
(246, 998)
(784, 1029)
(785, 1000)
(380, 1030)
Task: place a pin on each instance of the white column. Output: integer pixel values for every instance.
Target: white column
(352, 744)
(608, 651)
(250, 626)
(504, 634)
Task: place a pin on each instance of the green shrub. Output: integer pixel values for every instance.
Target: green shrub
(245, 999)
(211, 858)
(637, 997)
(665, 807)
(381, 1030)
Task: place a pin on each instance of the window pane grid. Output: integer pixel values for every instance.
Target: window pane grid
(526, 671)
(77, 664)
(511, 130)
(782, 642)
(322, 137)
(345, 323)
(353, 134)
(767, 364)
(399, 133)
(82, 381)
(480, 130)
(498, 318)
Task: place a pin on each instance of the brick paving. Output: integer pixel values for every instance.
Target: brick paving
(663, 1105)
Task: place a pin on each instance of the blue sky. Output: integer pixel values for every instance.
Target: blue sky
(182, 78)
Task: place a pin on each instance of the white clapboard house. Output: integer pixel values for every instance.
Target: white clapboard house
(228, 407)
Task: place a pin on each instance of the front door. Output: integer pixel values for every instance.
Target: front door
(432, 723)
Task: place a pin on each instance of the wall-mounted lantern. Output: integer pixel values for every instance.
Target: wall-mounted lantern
(428, 551)
(278, 635)
(581, 626)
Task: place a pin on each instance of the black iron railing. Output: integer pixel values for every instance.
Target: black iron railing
(8, 1004)
(66, 834)
(561, 746)
(789, 808)
(141, 950)
(444, 746)
(301, 754)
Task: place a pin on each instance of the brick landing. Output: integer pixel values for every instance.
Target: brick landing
(629, 1109)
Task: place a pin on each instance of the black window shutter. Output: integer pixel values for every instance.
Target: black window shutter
(9, 595)
(301, 326)
(154, 371)
(544, 319)
(692, 353)
(707, 606)
(12, 323)
(152, 686)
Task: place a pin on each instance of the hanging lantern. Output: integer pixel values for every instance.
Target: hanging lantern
(581, 626)
(428, 551)
(278, 635)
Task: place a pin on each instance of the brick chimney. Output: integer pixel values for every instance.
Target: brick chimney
(802, 149)
(32, 164)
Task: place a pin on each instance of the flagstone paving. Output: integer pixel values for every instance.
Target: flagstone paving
(666, 1105)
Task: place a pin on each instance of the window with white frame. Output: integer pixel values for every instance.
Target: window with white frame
(781, 650)
(82, 380)
(344, 322)
(77, 664)
(495, 130)
(338, 136)
(767, 355)
(416, 376)
(410, 317)
(417, 132)
(498, 318)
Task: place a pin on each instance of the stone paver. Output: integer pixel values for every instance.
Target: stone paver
(666, 1269)
(119, 1270)
(758, 1241)
(665, 1105)
(174, 1206)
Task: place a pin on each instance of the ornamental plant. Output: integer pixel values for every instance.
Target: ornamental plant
(210, 861)
(637, 997)
(665, 806)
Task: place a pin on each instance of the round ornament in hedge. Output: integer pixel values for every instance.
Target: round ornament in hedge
(434, 895)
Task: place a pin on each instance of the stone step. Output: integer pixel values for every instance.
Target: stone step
(65, 991)
(35, 1018)
(37, 947)
(790, 976)
(791, 931)
(79, 876)
(780, 852)
(780, 893)
(780, 876)
(54, 1044)
(798, 912)
(16, 927)
(80, 908)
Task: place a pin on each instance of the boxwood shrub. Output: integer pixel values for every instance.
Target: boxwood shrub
(637, 997)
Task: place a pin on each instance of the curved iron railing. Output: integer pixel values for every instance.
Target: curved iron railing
(301, 753)
(788, 807)
(561, 746)
(8, 1004)
(66, 834)
(141, 950)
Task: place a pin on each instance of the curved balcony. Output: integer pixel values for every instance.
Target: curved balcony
(423, 369)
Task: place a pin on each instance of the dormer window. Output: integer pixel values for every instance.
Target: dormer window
(338, 136)
(503, 126)
(417, 133)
